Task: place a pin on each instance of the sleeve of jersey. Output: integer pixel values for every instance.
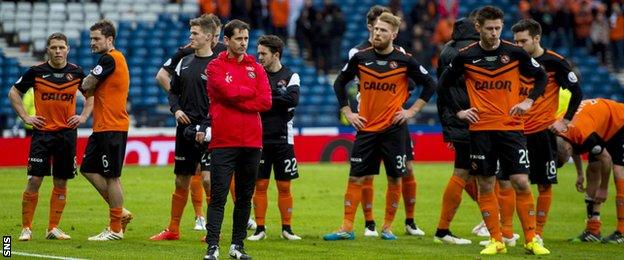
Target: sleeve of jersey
(220, 84)
(105, 67)
(26, 81)
(340, 85)
(174, 92)
(529, 67)
(447, 80)
(289, 97)
(80, 73)
(421, 76)
(566, 78)
(262, 101)
(171, 63)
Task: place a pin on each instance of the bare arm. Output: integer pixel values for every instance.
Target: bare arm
(164, 79)
(77, 120)
(89, 83)
(15, 96)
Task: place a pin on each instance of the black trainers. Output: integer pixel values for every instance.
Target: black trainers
(238, 252)
(615, 238)
(587, 236)
(212, 253)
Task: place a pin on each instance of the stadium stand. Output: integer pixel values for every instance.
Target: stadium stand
(149, 31)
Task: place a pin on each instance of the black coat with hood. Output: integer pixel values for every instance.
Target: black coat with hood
(453, 128)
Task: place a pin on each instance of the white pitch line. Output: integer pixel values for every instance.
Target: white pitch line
(45, 256)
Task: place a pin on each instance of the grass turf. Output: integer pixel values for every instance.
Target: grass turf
(318, 199)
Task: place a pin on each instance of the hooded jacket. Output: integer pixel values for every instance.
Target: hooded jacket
(453, 128)
(238, 92)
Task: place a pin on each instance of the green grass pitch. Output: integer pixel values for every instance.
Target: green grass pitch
(318, 198)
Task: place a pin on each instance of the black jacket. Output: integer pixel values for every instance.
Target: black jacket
(454, 129)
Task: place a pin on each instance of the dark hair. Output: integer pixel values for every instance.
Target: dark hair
(106, 27)
(231, 26)
(489, 13)
(274, 43)
(530, 25)
(374, 12)
(57, 36)
(206, 24)
(473, 14)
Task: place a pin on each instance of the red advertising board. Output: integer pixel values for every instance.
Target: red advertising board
(158, 150)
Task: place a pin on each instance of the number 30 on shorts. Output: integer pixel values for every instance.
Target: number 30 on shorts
(401, 161)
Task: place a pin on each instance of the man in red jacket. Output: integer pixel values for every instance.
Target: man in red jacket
(238, 89)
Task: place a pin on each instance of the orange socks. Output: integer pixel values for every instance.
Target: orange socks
(284, 201)
(260, 200)
(352, 199)
(472, 189)
(526, 212)
(393, 196)
(450, 201)
(178, 202)
(115, 219)
(490, 213)
(507, 204)
(544, 200)
(197, 192)
(57, 204)
(619, 204)
(593, 225)
(29, 204)
(408, 186)
(368, 194)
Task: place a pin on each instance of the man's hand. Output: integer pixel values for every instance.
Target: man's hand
(601, 195)
(355, 120)
(470, 115)
(580, 183)
(559, 126)
(36, 121)
(450, 146)
(200, 137)
(521, 108)
(76, 120)
(182, 118)
(402, 116)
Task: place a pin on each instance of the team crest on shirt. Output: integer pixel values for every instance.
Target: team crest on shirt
(393, 65)
(282, 83)
(251, 74)
(504, 59)
(69, 76)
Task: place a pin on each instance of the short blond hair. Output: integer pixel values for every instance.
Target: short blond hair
(390, 19)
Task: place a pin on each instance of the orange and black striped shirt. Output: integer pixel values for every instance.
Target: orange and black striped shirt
(111, 93)
(595, 122)
(544, 110)
(493, 83)
(384, 84)
(55, 92)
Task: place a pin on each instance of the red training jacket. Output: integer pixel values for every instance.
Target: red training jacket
(238, 92)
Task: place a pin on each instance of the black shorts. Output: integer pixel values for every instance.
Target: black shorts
(105, 154)
(462, 155)
(56, 149)
(280, 157)
(204, 163)
(542, 148)
(188, 153)
(615, 147)
(370, 148)
(508, 147)
(409, 145)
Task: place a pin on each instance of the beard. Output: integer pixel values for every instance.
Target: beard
(380, 45)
